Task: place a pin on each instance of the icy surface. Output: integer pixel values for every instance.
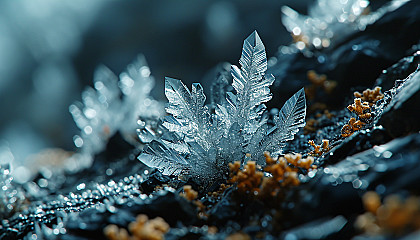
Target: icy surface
(195, 142)
(114, 104)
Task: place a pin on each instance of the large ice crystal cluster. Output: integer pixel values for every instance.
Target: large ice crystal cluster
(114, 105)
(199, 141)
(328, 21)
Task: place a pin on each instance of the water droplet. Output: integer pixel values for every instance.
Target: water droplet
(387, 154)
(357, 183)
(81, 186)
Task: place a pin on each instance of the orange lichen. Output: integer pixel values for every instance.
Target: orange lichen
(319, 149)
(141, 229)
(234, 168)
(249, 179)
(283, 173)
(351, 127)
(394, 216)
(297, 161)
(189, 193)
(318, 81)
(370, 96)
(220, 191)
(371, 201)
(360, 108)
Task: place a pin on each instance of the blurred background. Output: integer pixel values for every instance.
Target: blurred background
(49, 50)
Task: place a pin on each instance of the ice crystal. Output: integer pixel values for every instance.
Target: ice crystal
(114, 105)
(199, 141)
(331, 20)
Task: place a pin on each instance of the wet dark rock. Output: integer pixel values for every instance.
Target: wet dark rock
(402, 115)
(171, 207)
(359, 141)
(225, 209)
(319, 229)
(155, 179)
(356, 62)
(400, 70)
(337, 189)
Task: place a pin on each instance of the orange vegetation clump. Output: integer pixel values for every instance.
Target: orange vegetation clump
(351, 127)
(220, 191)
(249, 179)
(318, 81)
(189, 193)
(141, 229)
(283, 173)
(370, 96)
(319, 149)
(360, 108)
(394, 216)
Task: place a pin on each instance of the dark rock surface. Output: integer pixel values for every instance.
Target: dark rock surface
(402, 115)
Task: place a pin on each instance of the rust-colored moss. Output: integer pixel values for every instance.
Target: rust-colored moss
(394, 216)
(189, 193)
(352, 126)
(141, 229)
(283, 173)
(362, 109)
(249, 179)
(370, 96)
(319, 149)
(318, 81)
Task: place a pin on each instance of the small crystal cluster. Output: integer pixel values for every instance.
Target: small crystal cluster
(329, 21)
(114, 105)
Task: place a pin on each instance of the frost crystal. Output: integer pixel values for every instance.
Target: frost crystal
(199, 141)
(114, 105)
(330, 20)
